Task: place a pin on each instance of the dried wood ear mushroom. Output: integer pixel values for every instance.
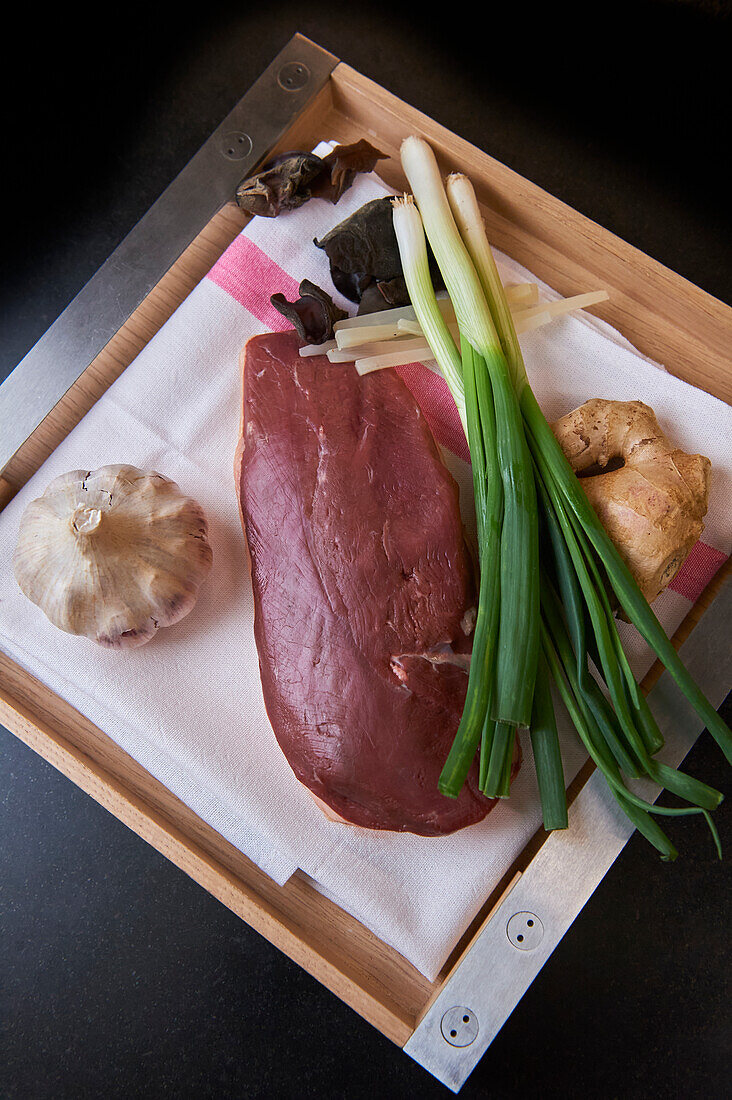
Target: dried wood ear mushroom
(113, 554)
(291, 179)
(313, 315)
(364, 259)
(650, 496)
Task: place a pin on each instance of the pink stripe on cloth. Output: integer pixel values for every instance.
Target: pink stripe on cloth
(697, 571)
(435, 401)
(250, 276)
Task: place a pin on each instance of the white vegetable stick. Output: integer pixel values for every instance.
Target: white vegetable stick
(352, 337)
(382, 317)
(317, 349)
(522, 318)
(522, 294)
(412, 327)
(568, 305)
(523, 323)
(377, 347)
(395, 359)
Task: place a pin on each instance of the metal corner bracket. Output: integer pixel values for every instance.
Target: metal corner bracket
(235, 148)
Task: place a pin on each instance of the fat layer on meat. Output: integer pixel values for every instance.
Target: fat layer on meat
(362, 581)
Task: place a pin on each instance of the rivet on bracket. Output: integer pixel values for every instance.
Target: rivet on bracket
(235, 145)
(459, 1026)
(525, 931)
(293, 76)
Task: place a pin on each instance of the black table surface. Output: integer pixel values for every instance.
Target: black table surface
(120, 976)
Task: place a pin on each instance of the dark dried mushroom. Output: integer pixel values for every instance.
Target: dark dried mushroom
(283, 184)
(341, 165)
(372, 300)
(364, 242)
(290, 179)
(384, 295)
(351, 286)
(394, 291)
(363, 249)
(312, 315)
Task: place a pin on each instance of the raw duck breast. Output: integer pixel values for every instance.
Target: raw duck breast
(363, 587)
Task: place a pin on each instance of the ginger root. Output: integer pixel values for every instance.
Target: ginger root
(652, 505)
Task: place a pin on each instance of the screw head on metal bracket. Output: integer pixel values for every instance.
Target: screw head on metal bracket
(293, 76)
(235, 145)
(525, 931)
(459, 1026)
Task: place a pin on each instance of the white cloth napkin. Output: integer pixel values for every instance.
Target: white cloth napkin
(188, 705)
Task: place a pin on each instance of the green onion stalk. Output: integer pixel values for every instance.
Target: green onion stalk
(506, 683)
(547, 564)
(461, 377)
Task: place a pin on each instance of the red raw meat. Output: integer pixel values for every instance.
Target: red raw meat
(363, 587)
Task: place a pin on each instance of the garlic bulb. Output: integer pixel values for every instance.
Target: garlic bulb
(113, 554)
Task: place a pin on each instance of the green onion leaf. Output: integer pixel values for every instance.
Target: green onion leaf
(547, 754)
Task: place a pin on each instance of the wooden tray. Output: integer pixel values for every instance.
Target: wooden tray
(662, 314)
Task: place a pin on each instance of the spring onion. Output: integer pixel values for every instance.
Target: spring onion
(461, 377)
(547, 753)
(518, 640)
(551, 617)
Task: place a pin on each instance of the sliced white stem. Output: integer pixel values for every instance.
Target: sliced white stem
(522, 294)
(378, 356)
(403, 350)
(412, 327)
(381, 317)
(317, 349)
(352, 337)
(403, 346)
(370, 363)
(391, 323)
(566, 305)
(522, 323)
(525, 320)
(398, 353)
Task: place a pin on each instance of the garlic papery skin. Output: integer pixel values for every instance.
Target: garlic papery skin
(113, 554)
(85, 520)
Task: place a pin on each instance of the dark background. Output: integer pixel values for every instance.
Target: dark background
(120, 976)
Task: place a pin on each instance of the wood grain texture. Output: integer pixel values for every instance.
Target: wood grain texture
(7, 492)
(333, 946)
(662, 314)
